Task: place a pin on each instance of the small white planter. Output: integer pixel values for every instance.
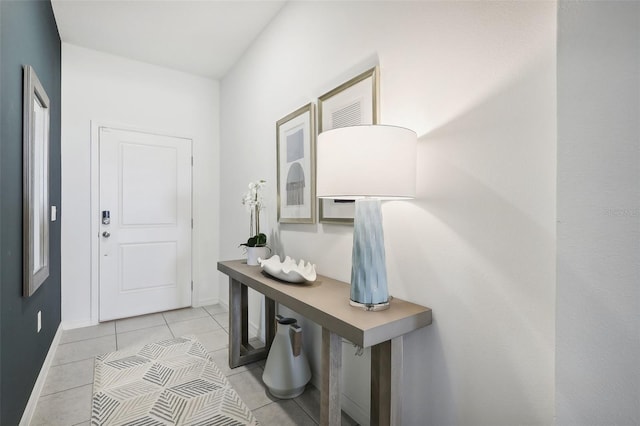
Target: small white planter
(253, 253)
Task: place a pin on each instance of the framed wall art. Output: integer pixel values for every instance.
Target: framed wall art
(296, 174)
(35, 183)
(353, 102)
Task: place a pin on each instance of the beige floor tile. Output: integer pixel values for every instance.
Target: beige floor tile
(84, 349)
(66, 397)
(138, 323)
(68, 376)
(84, 333)
(348, 421)
(215, 309)
(250, 388)
(69, 407)
(221, 358)
(142, 337)
(223, 320)
(309, 401)
(214, 340)
(283, 413)
(194, 326)
(256, 342)
(184, 314)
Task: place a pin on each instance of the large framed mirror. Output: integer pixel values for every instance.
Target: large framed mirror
(35, 183)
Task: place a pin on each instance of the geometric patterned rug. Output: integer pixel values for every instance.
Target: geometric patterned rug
(172, 382)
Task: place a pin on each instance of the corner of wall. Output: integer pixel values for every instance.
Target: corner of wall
(35, 41)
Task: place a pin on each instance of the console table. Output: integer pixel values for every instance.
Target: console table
(326, 302)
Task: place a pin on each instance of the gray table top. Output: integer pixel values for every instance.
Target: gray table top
(326, 302)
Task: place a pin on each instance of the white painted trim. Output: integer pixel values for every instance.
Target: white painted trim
(95, 212)
(70, 325)
(95, 222)
(206, 302)
(30, 409)
(224, 303)
(255, 331)
(354, 410)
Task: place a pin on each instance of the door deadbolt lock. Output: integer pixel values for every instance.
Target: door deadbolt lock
(106, 217)
(106, 234)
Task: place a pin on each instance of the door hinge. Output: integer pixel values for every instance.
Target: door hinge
(191, 285)
(191, 223)
(192, 160)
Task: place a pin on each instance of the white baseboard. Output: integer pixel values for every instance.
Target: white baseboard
(224, 303)
(206, 302)
(70, 325)
(354, 410)
(255, 331)
(30, 409)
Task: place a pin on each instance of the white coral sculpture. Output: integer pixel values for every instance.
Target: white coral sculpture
(289, 270)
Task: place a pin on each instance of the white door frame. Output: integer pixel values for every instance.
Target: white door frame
(95, 209)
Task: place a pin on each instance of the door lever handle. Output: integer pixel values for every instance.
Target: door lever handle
(106, 234)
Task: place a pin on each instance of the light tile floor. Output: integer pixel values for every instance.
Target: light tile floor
(66, 397)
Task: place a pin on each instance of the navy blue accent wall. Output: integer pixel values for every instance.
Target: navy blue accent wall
(28, 36)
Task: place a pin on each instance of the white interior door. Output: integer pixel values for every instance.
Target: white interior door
(145, 248)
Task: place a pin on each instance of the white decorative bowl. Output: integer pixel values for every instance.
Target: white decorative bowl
(288, 270)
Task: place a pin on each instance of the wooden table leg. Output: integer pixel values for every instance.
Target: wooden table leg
(235, 321)
(330, 411)
(397, 379)
(244, 310)
(241, 352)
(381, 384)
(269, 321)
(386, 382)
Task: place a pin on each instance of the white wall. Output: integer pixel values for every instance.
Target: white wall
(111, 89)
(476, 80)
(598, 325)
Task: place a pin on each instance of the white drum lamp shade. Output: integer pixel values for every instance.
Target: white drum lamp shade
(367, 163)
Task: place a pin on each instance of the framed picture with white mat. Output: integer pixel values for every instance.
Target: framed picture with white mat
(350, 104)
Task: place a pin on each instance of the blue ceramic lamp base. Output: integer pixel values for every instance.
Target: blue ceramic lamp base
(368, 263)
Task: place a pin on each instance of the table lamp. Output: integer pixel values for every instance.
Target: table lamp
(367, 164)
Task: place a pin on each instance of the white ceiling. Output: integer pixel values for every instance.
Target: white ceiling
(204, 37)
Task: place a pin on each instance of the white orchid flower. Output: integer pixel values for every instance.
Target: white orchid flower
(254, 203)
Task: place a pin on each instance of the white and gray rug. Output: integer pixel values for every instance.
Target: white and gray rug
(173, 382)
